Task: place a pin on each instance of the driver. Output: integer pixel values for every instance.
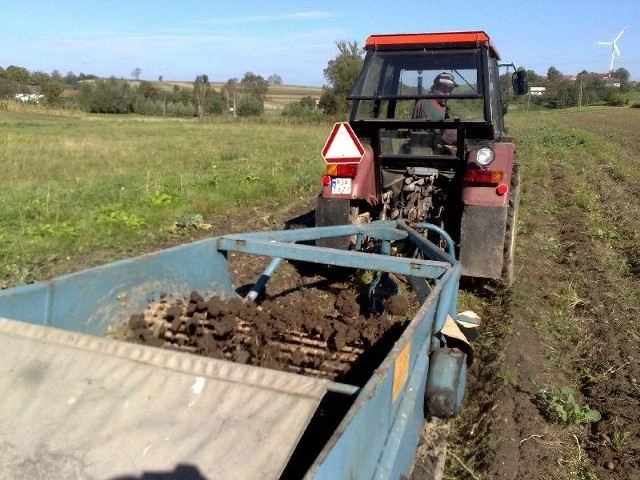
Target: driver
(435, 109)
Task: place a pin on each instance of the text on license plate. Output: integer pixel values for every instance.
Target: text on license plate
(341, 186)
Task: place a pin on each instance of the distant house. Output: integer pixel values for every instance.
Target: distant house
(537, 91)
(612, 82)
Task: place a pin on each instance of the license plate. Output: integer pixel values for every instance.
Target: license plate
(341, 186)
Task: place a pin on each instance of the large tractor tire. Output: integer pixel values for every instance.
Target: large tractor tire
(508, 265)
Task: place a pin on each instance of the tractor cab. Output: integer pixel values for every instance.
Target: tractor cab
(403, 72)
(428, 109)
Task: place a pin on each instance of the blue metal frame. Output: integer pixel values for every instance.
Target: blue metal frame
(379, 435)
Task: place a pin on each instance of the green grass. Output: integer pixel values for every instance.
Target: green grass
(117, 184)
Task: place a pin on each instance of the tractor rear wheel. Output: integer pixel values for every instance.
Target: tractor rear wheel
(508, 267)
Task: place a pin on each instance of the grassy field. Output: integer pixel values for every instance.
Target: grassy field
(119, 185)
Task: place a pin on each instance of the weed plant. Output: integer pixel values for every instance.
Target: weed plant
(560, 405)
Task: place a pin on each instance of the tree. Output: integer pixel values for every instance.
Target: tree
(9, 89)
(148, 90)
(51, 91)
(554, 75)
(136, 73)
(17, 74)
(70, 78)
(533, 78)
(552, 84)
(341, 73)
(107, 96)
(565, 95)
(39, 78)
(214, 102)
(181, 95)
(90, 76)
(592, 85)
(255, 85)
(275, 79)
(229, 90)
(622, 74)
(201, 87)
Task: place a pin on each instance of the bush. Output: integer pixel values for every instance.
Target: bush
(617, 100)
(147, 106)
(305, 108)
(179, 109)
(249, 106)
(107, 96)
(308, 102)
(8, 89)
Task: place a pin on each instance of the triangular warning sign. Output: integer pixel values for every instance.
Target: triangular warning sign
(343, 145)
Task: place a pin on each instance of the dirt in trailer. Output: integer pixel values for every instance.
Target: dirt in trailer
(303, 324)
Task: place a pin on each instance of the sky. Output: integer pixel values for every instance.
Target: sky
(295, 39)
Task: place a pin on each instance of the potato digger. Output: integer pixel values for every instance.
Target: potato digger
(77, 404)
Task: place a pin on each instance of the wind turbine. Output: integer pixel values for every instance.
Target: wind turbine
(614, 48)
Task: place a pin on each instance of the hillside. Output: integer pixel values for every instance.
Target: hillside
(277, 97)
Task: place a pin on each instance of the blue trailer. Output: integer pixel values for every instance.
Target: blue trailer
(76, 404)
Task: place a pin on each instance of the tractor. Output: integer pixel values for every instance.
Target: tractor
(431, 147)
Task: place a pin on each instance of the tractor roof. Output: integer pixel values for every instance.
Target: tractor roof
(433, 40)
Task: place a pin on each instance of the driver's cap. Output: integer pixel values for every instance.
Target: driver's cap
(445, 79)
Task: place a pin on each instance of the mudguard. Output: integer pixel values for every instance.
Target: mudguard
(482, 241)
(331, 212)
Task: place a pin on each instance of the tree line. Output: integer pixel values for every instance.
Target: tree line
(583, 89)
(245, 97)
(242, 97)
(18, 80)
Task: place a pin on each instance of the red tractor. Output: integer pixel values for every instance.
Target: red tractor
(430, 146)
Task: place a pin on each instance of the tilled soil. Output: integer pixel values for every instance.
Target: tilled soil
(318, 329)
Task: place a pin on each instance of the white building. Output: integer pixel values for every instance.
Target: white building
(29, 97)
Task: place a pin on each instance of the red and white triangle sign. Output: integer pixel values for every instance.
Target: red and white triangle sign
(343, 145)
